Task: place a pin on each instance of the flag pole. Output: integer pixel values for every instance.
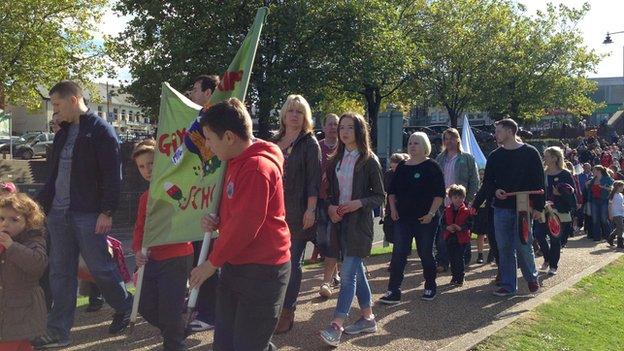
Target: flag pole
(254, 37)
(192, 300)
(137, 294)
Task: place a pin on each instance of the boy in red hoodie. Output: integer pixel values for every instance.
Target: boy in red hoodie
(253, 245)
(457, 222)
(167, 267)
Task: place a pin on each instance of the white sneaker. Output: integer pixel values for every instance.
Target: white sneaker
(326, 291)
(199, 326)
(552, 271)
(544, 267)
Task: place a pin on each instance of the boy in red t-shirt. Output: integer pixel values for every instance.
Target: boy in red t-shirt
(167, 267)
(457, 222)
(253, 245)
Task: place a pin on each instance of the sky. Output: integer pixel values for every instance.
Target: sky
(604, 16)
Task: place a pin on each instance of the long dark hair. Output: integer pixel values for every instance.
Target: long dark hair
(362, 139)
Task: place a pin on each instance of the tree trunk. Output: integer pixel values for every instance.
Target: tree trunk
(453, 116)
(2, 98)
(373, 103)
(264, 115)
(514, 109)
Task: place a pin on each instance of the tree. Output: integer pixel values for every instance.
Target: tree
(543, 66)
(44, 41)
(307, 47)
(177, 40)
(459, 40)
(374, 55)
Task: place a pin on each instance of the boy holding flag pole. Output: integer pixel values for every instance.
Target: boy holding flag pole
(253, 253)
(182, 190)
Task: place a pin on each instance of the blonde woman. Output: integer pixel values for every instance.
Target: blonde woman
(415, 194)
(302, 177)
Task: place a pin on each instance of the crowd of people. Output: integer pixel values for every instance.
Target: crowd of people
(277, 196)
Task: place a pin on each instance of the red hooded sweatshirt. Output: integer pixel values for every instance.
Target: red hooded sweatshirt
(252, 227)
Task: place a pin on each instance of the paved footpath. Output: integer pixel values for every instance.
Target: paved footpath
(455, 320)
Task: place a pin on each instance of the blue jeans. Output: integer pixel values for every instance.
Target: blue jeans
(353, 282)
(600, 219)
(71, 234)
(551, 250)
(510, 247)
(404, 233)
(297, 248)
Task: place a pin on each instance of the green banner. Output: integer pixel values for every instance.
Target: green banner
(187, 177)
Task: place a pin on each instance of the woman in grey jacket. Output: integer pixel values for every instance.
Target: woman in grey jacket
(302, 176)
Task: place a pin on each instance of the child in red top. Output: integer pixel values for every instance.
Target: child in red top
(167, 267)
(254, 241)
(457, 222)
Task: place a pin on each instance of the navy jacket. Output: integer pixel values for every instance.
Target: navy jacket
(96, 167)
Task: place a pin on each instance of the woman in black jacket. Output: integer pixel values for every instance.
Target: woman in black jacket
(302, 177)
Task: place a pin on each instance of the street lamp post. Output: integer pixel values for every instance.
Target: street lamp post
(609, 41)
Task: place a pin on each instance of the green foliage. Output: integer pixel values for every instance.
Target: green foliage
(489, 55)
(44, 41)
(543, 66)
(485, 55)
(307, 47)
(459, 41)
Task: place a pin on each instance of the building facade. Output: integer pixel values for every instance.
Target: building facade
(117, 109)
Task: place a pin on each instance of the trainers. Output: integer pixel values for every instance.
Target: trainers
(457, 282)
(336, 281)
(331, 335)
(552, 271)
(48, 342)
(610, 240)
(362, 325)
(325, 290)
(544, 267)
(120, 322)
(428, 295)
(95, 305)
(390, 298)
(502, 292)
(198, 326)
(533, 286)
(480, 258)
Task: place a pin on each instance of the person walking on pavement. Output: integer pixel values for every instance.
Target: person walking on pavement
(513, 166)
(355, 189)
(302, 177)
(562, 201)
(79, 199)
(416, 192)
(327, 243)
(459, 168)
(203, 87)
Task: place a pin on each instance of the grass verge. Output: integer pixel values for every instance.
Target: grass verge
(588, 316)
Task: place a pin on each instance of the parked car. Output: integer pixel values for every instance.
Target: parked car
(524, 134)
(438, 128)
(482, 136)
(35, 145)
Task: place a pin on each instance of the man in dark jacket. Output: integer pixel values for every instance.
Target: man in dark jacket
(79, 199)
